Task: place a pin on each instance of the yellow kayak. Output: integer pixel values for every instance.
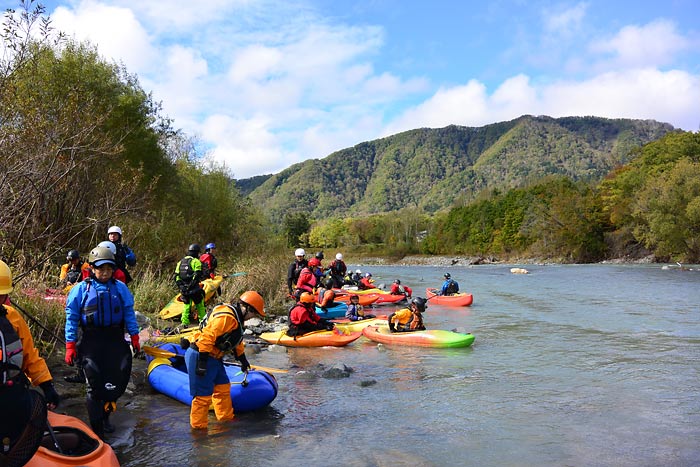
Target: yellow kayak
(175, 306)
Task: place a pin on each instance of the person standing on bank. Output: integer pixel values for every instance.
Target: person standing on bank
(23, 411)
(124, 256)
(101, 307)
(294, 269)
(338, 269)
(72, 271)
(188, 275)
(209, 261)
(221, 332)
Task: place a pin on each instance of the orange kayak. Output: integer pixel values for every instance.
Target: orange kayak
(335, 338)
(458, 299)
(80, 446)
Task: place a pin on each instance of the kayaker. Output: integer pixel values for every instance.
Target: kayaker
(326, 299)
(295, 268)
(367, 282)
(450, 286)
(303, 317)
(307, 281)
(320, 256)
(398, 289)
(101, 308)
(356, 277)
(209, 261)
(124, 256)
(23, 410)
(188, 275)
(221, 332)
(338, 269)
(319, 271)
(355, 311)
(119, 274)
(79, 376)
(72, 271)
(409, 319)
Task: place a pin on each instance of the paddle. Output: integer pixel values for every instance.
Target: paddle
(235, 274)
(157, 352)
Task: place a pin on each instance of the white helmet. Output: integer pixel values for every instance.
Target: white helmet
(300, 252)
(111, 246)
(114, 229)
(339, 256)
(358, 272)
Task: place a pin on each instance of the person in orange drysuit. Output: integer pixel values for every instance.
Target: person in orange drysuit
(23, 410)
(222, 331)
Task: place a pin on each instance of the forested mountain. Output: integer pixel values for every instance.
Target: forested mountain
(433, 169)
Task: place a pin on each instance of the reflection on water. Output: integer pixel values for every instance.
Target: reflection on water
(572, 365)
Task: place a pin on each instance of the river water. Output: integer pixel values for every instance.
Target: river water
(576, 365)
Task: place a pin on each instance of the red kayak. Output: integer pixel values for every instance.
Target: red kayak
(458, 299)
(388, 299)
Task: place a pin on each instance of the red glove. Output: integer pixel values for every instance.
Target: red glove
(135, 343)
(71, 353)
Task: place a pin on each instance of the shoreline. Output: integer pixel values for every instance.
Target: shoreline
(459, 260)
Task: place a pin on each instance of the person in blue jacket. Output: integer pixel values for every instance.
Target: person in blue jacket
(98, 310)
(125, 255)
(450, 286)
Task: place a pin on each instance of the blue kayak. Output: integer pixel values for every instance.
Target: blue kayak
(337, 310)
(169, 376)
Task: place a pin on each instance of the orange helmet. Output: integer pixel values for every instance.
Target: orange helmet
(306, 297)
(254, 299)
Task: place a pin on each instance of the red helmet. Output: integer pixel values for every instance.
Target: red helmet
(314, 262)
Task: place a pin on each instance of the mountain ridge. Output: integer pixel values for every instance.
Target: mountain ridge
(432, 169)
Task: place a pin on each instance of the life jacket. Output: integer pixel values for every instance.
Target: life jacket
(187, 279)
(210, 261)
(338, 268)
(12, 352)
(103, 308)
(229, 340)
(452, 288)
(413, 324)
(74, 275)
(298, 266)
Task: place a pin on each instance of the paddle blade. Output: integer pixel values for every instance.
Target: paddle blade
(156, 352)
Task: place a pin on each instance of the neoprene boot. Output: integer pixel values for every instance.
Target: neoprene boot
(78, 377)
(98, 427)
(108, 427)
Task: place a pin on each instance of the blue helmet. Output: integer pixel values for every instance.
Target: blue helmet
(210, 246)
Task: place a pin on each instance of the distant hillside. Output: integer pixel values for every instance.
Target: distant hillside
(247, 185)
(434, 168)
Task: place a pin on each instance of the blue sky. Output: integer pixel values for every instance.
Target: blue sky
(264, 84)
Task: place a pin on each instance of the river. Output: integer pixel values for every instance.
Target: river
(574, 365)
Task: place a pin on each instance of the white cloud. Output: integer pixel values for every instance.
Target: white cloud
(670, 96)
(266, 84)
(114, 30)
(567, 21)
(247, 147)
(651, 45)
